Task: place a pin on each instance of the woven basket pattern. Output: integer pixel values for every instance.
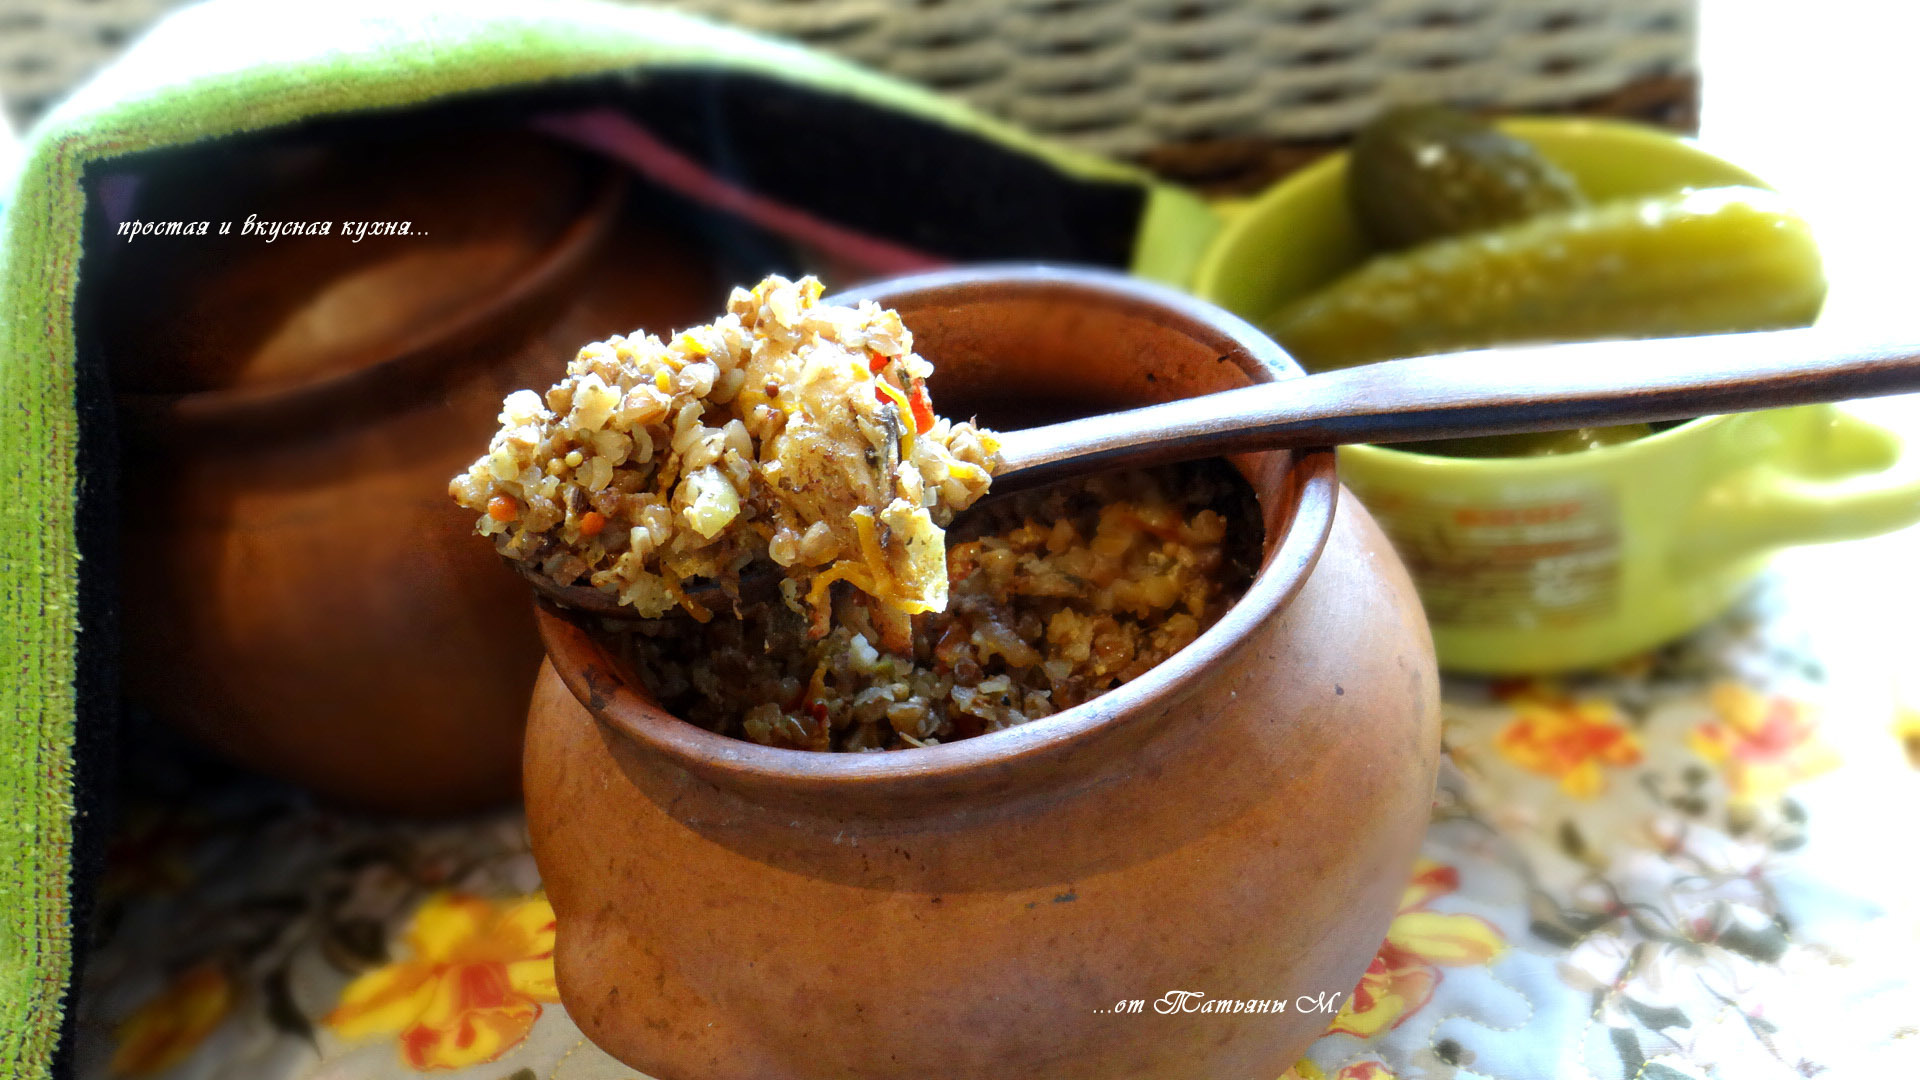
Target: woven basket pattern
(1147, 80)
(1122, 77)
(48, 47)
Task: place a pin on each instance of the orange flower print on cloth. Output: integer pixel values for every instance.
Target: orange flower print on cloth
(1359, 1070)
(470, 990)
(1419, 943)
(1571, 741)
(173, 1023)
(1762, 743)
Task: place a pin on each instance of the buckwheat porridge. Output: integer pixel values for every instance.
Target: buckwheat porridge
(801, 434)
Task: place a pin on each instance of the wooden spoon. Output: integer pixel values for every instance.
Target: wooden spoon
(1501, 391)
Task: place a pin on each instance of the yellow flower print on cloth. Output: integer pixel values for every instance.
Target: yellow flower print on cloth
(470, 990)
(1906, 728)
(1419, 943)
(1359, 1070)
(173, 1023)
(1570, 741)
(1762, 743)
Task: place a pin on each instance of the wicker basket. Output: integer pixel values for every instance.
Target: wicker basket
(1228, 94)
(1221, 94)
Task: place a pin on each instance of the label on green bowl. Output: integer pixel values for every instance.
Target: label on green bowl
(1542, 559)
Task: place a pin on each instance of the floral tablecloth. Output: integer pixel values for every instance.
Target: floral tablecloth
(1697, 864)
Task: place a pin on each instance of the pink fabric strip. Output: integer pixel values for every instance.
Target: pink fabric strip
(613, 133)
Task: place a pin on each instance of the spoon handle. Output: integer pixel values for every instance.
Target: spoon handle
(1485, 392)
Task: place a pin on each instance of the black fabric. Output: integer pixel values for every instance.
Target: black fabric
(926, 185)
(948, 193)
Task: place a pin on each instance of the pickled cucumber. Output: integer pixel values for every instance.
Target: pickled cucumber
(1716, 260)
(1426, 173)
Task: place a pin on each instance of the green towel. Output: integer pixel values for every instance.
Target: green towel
(226, 68)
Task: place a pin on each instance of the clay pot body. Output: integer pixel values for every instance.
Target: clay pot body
(1237, 823)
(334, 627)
(299, 591)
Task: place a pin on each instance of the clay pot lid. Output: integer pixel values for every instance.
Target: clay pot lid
(237, 330)
(1298, 511)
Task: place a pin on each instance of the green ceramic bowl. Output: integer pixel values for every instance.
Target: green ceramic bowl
(1543, 563)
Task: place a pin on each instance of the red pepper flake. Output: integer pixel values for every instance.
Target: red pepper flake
(592, 522)
(502, 508)
(876, 362)
(922, 407)
(817, 710)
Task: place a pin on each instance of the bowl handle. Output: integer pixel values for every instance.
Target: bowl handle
(1176, 228)
(1836, 477)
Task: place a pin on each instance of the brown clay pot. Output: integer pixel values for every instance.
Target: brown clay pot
(1238, 822)
(299, 591)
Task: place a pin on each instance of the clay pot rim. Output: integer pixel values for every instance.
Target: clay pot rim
(897, 777)
(279, 410)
